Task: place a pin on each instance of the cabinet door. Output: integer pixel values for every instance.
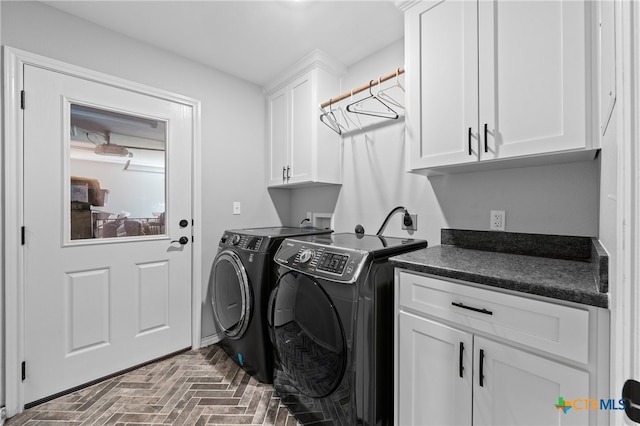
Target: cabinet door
(302, 125)
(519, 388)
(435, 373)
(532, 77)
(442, 64)
(277, 138)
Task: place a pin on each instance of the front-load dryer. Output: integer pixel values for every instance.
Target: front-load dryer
(241, 278)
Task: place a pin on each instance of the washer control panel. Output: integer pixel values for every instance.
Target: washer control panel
(333, 263)
(246, 242)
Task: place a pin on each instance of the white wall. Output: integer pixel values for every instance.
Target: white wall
(554, 199)
(232, 112)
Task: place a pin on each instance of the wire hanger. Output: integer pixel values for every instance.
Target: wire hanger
(383, 110)
(330, 120)
(382, 93)
(348, 118)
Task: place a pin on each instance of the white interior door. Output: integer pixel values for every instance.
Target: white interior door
(102, 293)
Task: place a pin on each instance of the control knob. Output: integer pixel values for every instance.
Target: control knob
(235, 240)
(306, 255)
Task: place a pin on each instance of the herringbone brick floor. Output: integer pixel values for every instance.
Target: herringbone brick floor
(199, 387)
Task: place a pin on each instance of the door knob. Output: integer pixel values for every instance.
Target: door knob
(182, 240)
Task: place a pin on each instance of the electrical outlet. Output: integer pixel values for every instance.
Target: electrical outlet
(497, 219)
(236, 207)
(309, 216)
(414, 225)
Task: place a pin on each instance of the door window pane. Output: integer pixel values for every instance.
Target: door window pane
(117, 174)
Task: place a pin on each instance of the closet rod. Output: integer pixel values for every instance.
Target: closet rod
(362, 88)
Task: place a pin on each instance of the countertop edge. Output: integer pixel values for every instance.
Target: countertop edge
(597, 299)
(600, 264)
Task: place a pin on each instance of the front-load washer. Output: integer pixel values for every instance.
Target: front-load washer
(331, 326)
(241, 279)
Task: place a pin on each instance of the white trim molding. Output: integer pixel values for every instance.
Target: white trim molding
(633, 143)
(625, 297)
(14, 62)
(211, 340)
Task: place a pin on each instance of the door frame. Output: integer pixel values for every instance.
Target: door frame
(625, 299)
(13, 211)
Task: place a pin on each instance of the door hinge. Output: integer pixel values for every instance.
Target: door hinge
(23, 233)
(22, 99)
(24, 370)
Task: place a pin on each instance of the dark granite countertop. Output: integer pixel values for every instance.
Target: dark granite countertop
(565, 278)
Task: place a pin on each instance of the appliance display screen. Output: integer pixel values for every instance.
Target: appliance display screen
(332, 262)
(254, 243)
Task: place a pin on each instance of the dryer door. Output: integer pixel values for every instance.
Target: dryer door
(307, 334)
(231, 294)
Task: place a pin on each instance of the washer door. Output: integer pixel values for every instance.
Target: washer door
(231, 294)
(307, 335)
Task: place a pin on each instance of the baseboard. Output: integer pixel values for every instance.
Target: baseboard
(210, 340)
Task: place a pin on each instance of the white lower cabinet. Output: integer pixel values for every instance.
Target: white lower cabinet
(514, 387)
(455, 363)
(435, 373)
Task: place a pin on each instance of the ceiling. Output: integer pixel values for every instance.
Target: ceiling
(253, 40)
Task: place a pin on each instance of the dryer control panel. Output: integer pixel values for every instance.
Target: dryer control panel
(331, 263)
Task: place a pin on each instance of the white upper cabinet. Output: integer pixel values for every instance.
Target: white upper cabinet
(301, 151)
(494, 80)
(277, 136)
